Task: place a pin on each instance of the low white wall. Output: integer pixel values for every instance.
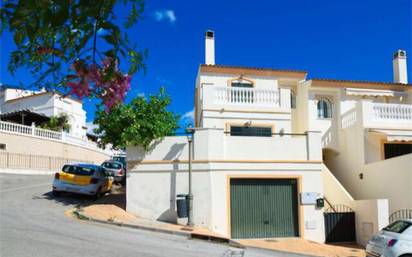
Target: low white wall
(152, 194)
(390, 179)
(264, 148)
(370, 217)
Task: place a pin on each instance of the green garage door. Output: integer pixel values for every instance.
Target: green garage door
(263, 208)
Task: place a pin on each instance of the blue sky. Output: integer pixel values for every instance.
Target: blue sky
(336, 39)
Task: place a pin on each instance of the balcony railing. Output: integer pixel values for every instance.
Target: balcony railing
(392, 112)
(246, 96)
(33, 131)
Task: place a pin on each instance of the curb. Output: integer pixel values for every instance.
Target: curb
(79, 215)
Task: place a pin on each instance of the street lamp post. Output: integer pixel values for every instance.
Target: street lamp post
(190, 223)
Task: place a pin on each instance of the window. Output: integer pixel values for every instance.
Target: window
(324, 108)
(239, 96)
(112, 165)
(394, 150)
(398, 226)
(2, 146)
(242, 84)
(78, 170)
(251, 131)
(292, 99)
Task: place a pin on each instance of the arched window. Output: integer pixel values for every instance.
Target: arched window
(324, 108)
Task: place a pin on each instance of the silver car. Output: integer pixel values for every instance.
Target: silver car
(394, 240)
(116, 169)
(88, 179)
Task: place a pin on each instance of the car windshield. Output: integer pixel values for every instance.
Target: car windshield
(78, 170)
(398, 226)
(112, 165)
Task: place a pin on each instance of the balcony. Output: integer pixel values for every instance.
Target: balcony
(380, 115)
(236, 98)
(386, 115)
(392, 112)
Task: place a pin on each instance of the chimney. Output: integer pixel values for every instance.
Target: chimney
(400, 74)
(210, 48)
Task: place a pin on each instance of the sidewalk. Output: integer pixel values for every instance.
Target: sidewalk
(302, 246)
(111, 210)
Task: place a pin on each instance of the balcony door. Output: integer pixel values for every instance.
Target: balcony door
(242, 91)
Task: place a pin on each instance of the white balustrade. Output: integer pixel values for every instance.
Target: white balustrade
(246, 96)
(349, 119)
(392, 112)
(15, 128)
(48, 134)
(45, 133)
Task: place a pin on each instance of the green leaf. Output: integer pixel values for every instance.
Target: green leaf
(18, 37)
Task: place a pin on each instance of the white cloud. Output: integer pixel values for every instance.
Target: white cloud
(167, 15)
(190, 115)
(187, 119)
(141, 95)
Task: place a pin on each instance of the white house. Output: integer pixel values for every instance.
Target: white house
(243, 116)
(262, 139)
(17, 102)
(366, 133)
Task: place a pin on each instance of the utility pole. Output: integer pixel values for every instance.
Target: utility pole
(190, 223)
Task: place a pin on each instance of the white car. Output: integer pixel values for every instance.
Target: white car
(394, 240)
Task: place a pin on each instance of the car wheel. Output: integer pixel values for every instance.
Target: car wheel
(55, 193)
(98, 193)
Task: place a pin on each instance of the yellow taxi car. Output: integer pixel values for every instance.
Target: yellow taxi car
(81, 178)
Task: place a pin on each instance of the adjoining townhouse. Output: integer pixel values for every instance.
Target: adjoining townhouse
(366, 133)
(26, 107)
(261, 140)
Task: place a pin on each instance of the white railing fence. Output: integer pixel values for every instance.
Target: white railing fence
(33, 131)
(246, 96)
(349, 118)
(45, 133)
(16, 128)
(385, 111)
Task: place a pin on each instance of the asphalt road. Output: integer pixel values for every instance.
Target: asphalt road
(33, 223)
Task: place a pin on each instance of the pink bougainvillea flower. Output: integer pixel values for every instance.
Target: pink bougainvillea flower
(106, 82)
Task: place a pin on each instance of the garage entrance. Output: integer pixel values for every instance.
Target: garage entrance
(263, 208)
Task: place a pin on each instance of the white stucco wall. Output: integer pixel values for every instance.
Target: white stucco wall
(370, 217)
(152, 189)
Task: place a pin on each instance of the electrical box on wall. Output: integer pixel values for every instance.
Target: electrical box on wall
(308, 197)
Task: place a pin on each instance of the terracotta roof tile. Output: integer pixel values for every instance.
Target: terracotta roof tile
(361, 84)
(251, 71)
